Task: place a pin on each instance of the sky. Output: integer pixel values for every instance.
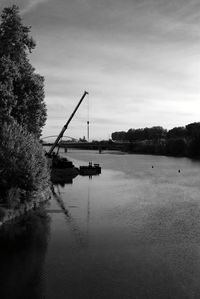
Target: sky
(138, 59)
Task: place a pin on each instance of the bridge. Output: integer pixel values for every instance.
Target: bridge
(103, 145)
(55, 136)
(95, 145)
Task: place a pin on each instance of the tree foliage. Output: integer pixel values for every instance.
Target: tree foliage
(193, 130)
(22, 161)
(177, 132)
(132, 135)
(119, 136)
(21, 89)
(23, 167)
(179, 141)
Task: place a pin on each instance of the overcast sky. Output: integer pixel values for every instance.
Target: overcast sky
(138, 59)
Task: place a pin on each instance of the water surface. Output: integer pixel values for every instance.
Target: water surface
(131, 232)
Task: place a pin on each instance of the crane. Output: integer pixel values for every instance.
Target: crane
(66, 125)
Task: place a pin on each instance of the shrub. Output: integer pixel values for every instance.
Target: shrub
(22, 161)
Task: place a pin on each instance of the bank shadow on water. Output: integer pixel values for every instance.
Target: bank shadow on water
(23, 246)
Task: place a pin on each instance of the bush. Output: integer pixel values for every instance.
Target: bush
(22, 161)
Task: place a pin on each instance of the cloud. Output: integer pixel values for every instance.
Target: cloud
(31, 5)
(139, 59)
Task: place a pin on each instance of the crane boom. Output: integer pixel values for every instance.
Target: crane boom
(66, 125)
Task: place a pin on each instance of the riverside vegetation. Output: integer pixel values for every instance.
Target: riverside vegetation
(24, 174)
(179, 141)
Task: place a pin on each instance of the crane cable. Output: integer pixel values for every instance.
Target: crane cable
(88, 118)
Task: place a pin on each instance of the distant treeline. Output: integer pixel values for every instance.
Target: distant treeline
(179, 141)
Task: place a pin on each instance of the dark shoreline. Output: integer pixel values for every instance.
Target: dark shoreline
(39, 198)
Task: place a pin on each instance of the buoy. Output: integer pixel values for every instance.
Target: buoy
(179, 170)
(152, 166)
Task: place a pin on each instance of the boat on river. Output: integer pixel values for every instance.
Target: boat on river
(62, 169)
(90, 169)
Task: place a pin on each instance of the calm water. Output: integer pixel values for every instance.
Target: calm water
(131, 232)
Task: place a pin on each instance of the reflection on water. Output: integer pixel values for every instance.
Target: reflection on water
(22, 254)
(131, 232)
(68, 180)
(70, 221)
(139, 229)
(64, 180)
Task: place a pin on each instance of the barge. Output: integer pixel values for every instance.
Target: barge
(90, 169)
(62, 169)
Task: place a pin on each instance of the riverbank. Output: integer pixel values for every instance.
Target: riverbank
(172, 147)
(179, 141)
(166, 147)
(36, 199)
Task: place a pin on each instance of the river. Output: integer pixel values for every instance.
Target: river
(131, 232)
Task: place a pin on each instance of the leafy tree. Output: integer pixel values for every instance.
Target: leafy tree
(177, 132)
(157, 132)
(23, 165)
(153, 133)
(21, 89)
(119, 136)
(130, 135)
(193, 130)
(8, 72)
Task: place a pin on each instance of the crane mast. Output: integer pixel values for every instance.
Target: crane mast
(66, 125)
